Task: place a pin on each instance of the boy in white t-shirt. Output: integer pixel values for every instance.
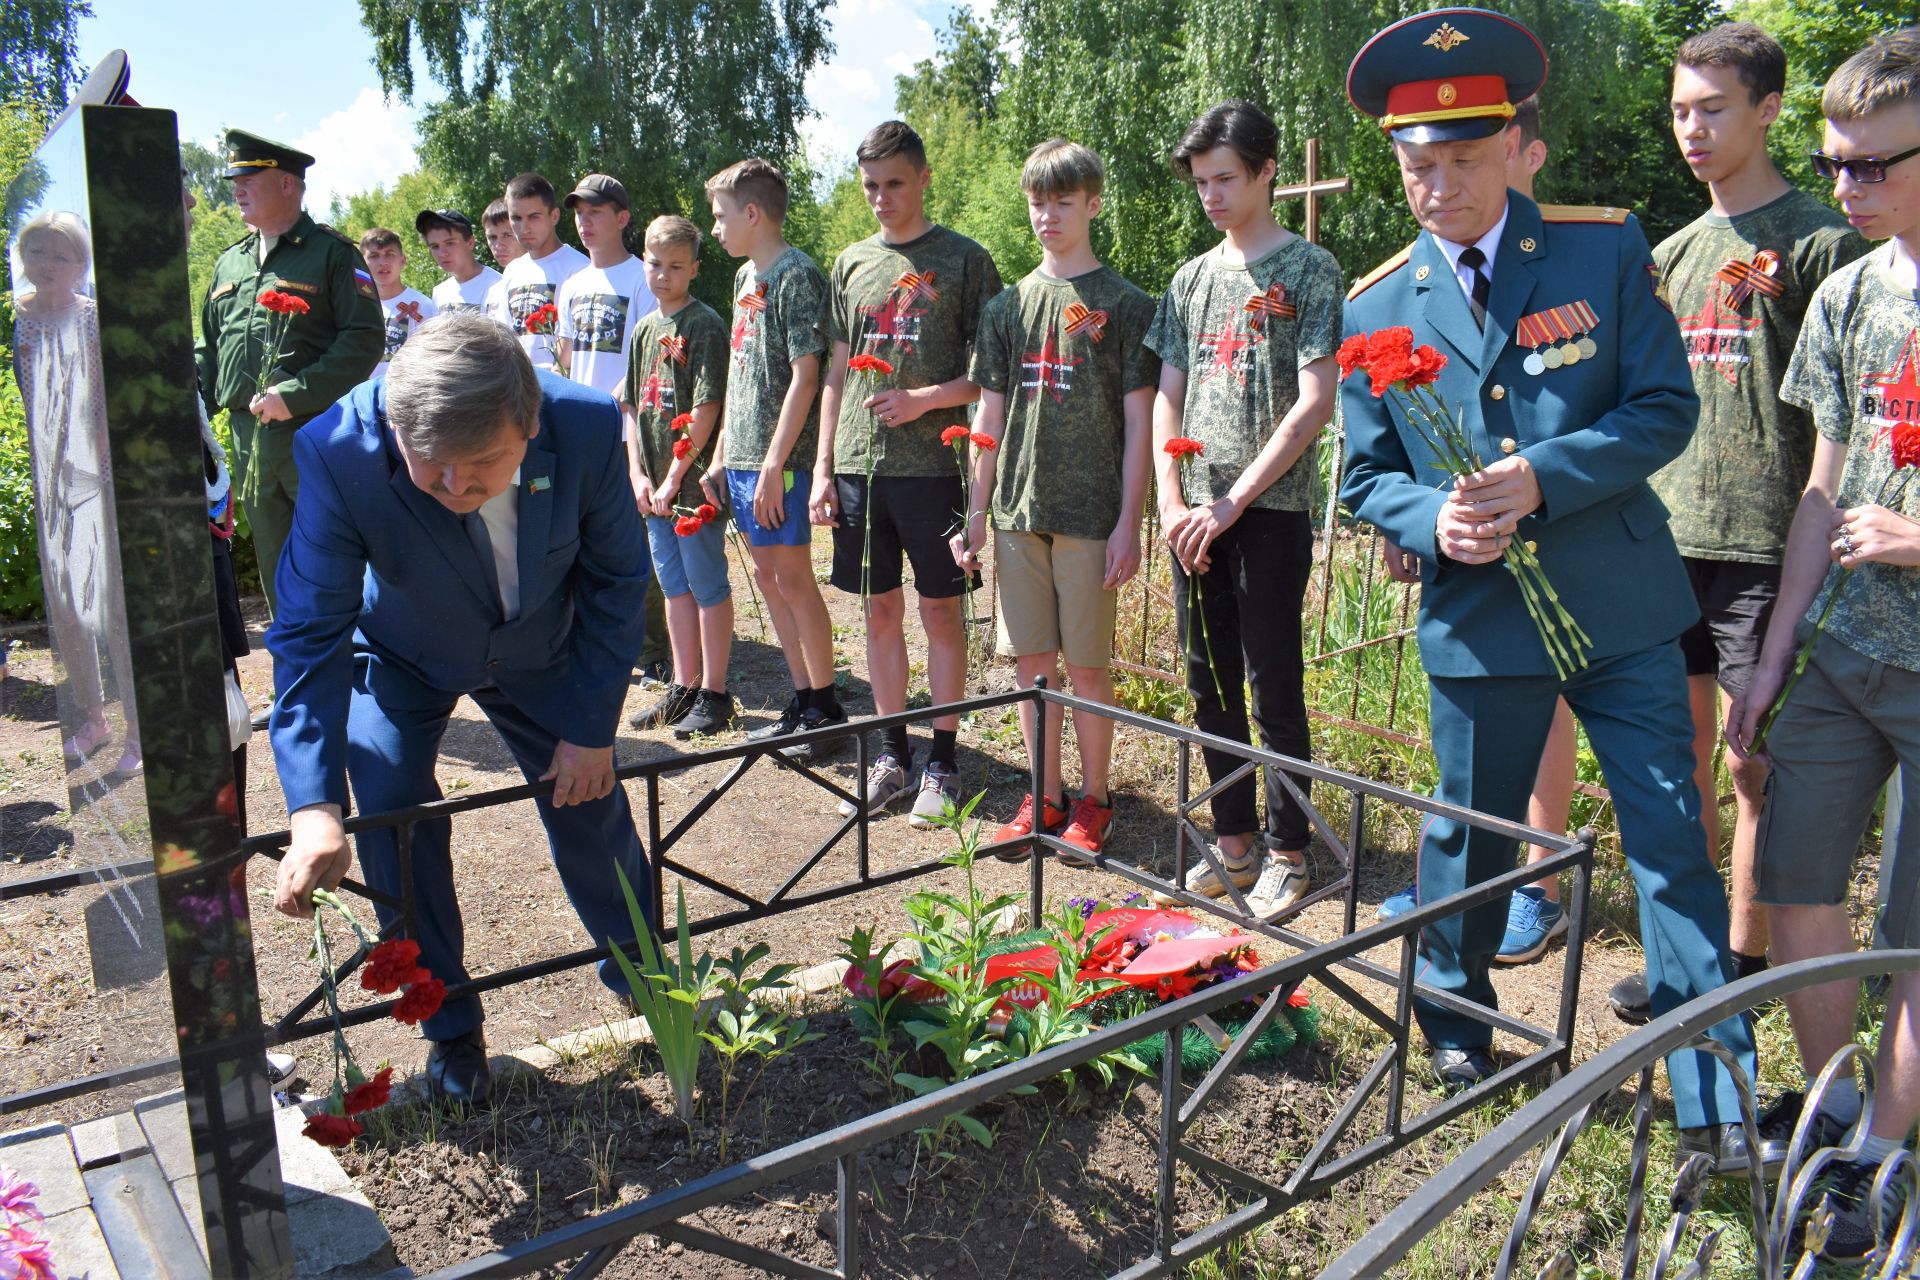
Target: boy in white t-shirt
(448, 234)
(505, 247)
(600, 302)
(533, 281)
(404, 307)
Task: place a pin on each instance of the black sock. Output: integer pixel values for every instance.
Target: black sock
(893, 742)
(1745, 966)
(942, 750)
(823, 700)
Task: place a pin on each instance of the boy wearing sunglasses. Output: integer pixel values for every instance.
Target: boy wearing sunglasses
(1851, 581)
(1738, 278)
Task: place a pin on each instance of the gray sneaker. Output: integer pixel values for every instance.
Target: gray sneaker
(886, 782)
(1281, 884)
(939, 792)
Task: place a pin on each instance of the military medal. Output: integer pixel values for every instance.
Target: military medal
(1744, 279)
(1558, 336)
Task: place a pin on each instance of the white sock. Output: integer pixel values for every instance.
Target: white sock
(1873, 1150)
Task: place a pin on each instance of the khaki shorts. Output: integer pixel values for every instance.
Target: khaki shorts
(1849, 722)
(1052, 597)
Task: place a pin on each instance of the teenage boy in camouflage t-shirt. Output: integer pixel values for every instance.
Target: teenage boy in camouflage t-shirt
(1854, 548)
(1247, 332)
(911, 295)
(771, 421)
(1738, 278)
(676, 379)
(1066, 389)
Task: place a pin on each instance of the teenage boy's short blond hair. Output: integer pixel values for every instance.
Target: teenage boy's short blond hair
(752, 181)
(380, 238)
(1884, 74)
(670, 229)
(495, 215)
(1059, 167)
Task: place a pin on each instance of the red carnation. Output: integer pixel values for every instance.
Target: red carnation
(955, 435)
(369, 1094)
(1351, 355)
(282, 303)
(543, 318)
(687, 526)
(330, 1130)
(392, 965)
(705, 511)
(981, 440)
(869, 364)
(1180, 446)
(683, 447)
(422, 1000)
(684, 422)
(1427, 364)
(1906, 445)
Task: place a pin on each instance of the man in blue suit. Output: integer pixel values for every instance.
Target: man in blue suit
(464, 527)
(1565, 368)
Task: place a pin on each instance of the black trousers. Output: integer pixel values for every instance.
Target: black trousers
(1250, 601)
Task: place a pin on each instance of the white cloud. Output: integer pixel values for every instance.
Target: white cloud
(874, 40)
(367, 144)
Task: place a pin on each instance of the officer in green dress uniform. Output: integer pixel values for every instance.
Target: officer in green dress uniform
(1568, 372)
(328, 350)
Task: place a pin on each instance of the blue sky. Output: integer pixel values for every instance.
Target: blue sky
(304, 74)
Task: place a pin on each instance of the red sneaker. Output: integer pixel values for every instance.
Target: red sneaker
(1052, 818)
(1091, 822)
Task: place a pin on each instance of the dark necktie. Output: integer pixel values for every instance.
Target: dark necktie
(483, 548)
(1473, 260)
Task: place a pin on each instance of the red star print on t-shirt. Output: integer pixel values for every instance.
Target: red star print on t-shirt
(1894, 398)
(893, 321)
(656, 392)
(1232, 353)
(1048, 370)
(742, 331)
(1718, 337)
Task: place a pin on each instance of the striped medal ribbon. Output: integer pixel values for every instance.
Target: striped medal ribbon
(1083, 319)
(755, 301)
(1271, 303)
(917, 286)
(1558, 336)
(1744, 279)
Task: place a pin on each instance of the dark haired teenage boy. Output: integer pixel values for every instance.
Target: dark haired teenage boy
(403, 307)
(533, 280)
(1246, 333)
(1739, 278)
(912, 295)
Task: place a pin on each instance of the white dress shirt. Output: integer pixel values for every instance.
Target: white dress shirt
(502, 516)
(1488, 244)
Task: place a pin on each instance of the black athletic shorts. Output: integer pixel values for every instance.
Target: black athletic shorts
(1736, 599)
(913, 517)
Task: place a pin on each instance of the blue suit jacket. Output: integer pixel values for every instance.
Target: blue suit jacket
(375, 568)
(1593, 431)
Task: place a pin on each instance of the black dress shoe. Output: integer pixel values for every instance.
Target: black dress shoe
(1630, 1000)
(457, 1069)
(1724, 1144)
(1461, 1069)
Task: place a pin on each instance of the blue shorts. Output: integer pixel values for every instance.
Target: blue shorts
(696, 563)
(794, 531)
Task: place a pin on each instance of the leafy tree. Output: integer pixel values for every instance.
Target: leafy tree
(40, 50)
(659, 93)
(1818, 36)
(396, 210)
(215, 229)
(203, 169)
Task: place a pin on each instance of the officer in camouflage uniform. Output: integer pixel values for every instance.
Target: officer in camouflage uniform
(327, 351)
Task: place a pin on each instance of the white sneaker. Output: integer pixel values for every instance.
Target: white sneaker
(939, 795)
(1281, 884)
(886, 782)
(1202, 880)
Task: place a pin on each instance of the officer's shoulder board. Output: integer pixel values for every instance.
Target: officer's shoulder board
(341, 236)
(1381, 272)
(1584, 213)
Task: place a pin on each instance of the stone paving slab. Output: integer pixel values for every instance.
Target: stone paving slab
(77, 1247)
(44, 1157)
(338, 1236)
(140, 1217)
(106, 1139)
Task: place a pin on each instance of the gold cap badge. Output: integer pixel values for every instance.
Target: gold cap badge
(1527, 245)
(1446, 38)
(1422, 272)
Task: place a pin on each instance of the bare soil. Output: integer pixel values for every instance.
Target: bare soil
(1066, 1190)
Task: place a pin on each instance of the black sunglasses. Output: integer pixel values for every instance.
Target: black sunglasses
(1864, 169)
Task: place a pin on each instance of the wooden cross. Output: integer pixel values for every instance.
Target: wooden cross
(1313, 189)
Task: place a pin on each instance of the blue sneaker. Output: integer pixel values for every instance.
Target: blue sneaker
(1399, 902)
(1533, 921)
